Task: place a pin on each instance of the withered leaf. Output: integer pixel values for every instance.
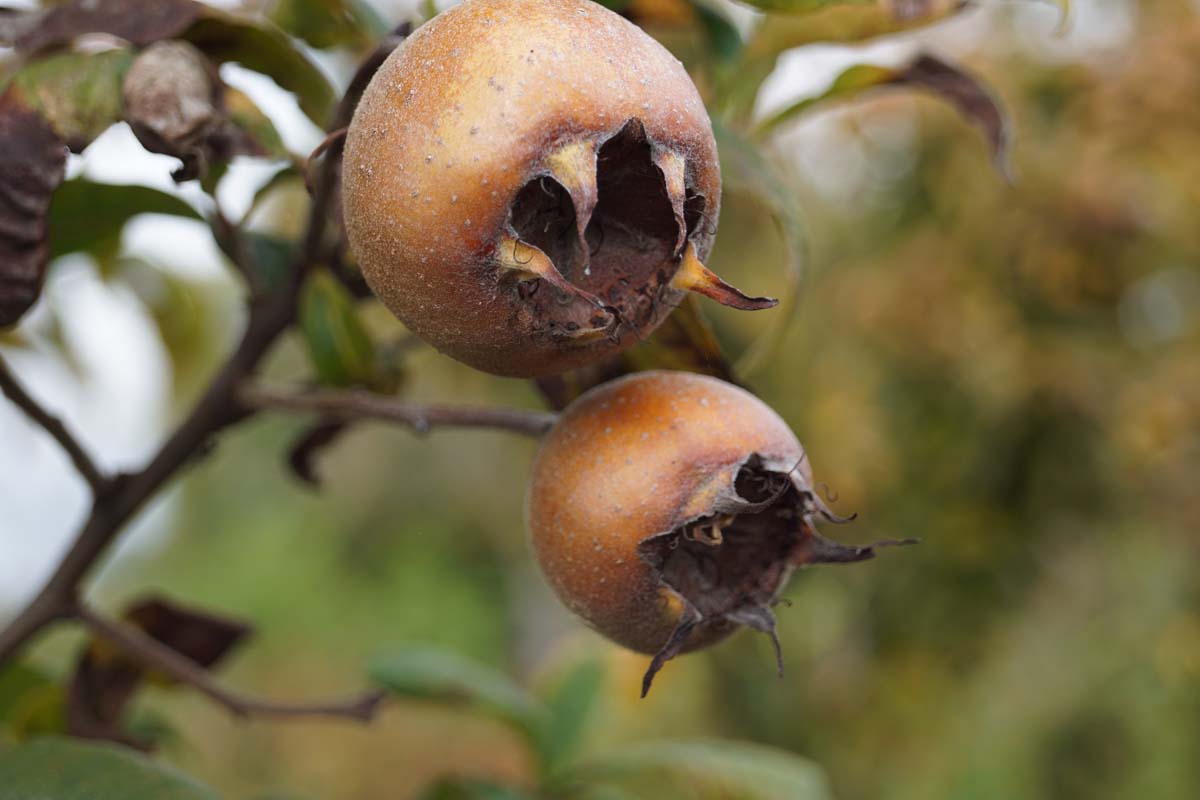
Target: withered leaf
(105, 679)
(954, 85)
(304, 451)
(255, 44)
(175, 103)
(135, 21)
(32, 160)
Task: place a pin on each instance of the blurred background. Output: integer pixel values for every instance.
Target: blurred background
(1009, 371)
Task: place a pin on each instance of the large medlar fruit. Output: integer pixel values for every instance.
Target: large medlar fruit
(532, 185)
(669, 509)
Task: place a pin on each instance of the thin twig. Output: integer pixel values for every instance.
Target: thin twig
(84, 464)
(151, 653)
(358, 404)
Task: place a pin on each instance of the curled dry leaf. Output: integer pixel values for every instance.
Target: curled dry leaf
(175, 103)
(105, 680)
(953, 84)
(32, 160)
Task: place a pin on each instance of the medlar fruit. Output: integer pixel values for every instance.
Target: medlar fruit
(530, 186)
(668, 510)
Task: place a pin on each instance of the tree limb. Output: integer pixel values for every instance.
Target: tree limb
(84, 464)
(357, 404)
(269, 316)
(153, 654)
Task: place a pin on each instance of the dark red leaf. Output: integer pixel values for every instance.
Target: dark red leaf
(967, 94)
(105, 680)
(135, 21)
(304, 451)
(32, 159)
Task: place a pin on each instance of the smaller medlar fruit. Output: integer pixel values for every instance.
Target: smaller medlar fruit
(668, 510)
(531, 186)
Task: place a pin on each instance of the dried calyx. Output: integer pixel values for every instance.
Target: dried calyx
(599, 242)
(728, 566)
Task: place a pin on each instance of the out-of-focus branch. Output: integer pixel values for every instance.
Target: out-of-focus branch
(356, 405)
(153, 654)
(84, 464)
(269, 316)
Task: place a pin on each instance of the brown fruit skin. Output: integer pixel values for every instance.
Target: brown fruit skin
(459, 119)
(636, 457)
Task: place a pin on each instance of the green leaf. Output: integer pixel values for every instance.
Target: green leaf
(848, 84)
(747, 167)
(65, 769)
(16, 681)
(270, 257)
(703, 769)
(78, 94)
(338, 345)
(266, 49)
(724, 40)
(571, 704)
(439, 675)
(326, 24)
(30, 702)
(247, 116)
(89, 217)
(468, 789)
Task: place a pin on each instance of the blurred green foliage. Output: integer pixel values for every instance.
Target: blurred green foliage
(1008, 371)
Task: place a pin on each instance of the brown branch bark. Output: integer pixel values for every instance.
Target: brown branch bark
(153, 654)
(216, 410)
(84, 464)
(356, 405)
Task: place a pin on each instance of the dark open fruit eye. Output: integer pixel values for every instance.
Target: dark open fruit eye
(545, 198)
(669, 510)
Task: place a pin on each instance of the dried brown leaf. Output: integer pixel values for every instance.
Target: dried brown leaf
(32, 160)
(106, 680)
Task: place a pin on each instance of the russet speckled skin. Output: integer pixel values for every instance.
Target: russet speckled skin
(459, 119)
(630, 459)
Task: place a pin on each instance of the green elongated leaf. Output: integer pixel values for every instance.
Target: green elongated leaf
(724, 40)
(467, 789)
(266, 49)
(702, 769)
(270, 258)
(247, 116)
(748, 167)
(571, 704)
(439, 675)
(326, 24)
(67, 769)
(965, 92)
(89, 217)
(78, 94)
(338, 345)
